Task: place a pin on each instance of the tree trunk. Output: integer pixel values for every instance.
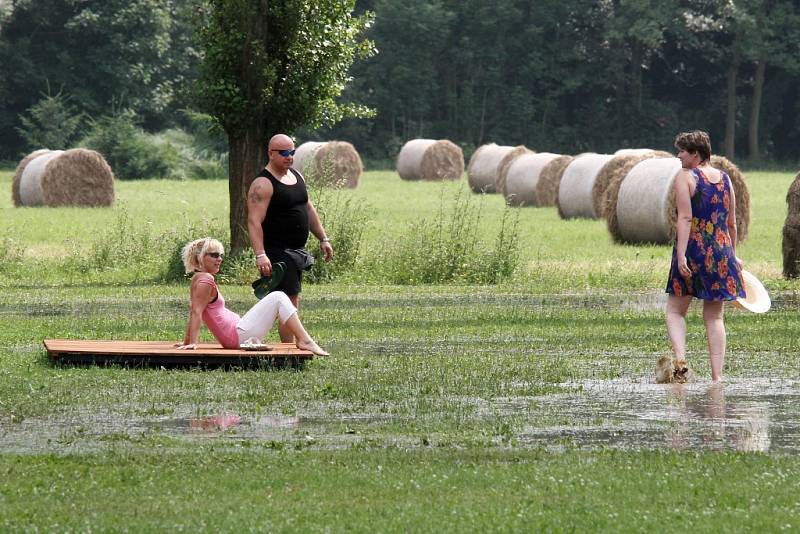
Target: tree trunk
(637, 55)
(247, 155)
(755, 110)
(730, 118)
(247, 146)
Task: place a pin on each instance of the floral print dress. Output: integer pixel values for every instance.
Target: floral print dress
(709, 252)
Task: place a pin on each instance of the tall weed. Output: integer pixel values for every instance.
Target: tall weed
(13, 250)
(344, 219)
(448, 248)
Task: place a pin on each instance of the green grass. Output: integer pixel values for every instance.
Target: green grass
(422, 418)
(555, 255)
(391, 491)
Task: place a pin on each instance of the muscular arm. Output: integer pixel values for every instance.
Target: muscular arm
(201, 295)
(258, 198)
(315, 225)
(683, 195)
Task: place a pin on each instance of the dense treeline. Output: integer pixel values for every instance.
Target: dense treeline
(575, 75)
(557, 75)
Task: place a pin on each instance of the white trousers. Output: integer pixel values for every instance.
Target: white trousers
(259, 320)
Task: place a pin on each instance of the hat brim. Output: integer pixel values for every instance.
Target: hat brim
(266, 284)
(756, 298)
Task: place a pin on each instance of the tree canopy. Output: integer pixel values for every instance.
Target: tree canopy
(557, 75)
(271, 67)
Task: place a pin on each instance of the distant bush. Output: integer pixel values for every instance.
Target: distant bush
(192, 162)
(132, 153)
(448, 248)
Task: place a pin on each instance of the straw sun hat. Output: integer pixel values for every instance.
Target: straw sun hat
(756, 297)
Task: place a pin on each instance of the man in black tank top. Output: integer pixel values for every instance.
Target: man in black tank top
(279, 218)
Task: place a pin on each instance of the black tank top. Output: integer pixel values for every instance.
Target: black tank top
(286, 223)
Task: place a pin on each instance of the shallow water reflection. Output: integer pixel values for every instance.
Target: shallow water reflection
(754, 414)
(743, 415)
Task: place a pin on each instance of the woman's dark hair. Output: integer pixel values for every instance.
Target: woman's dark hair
(694, 142)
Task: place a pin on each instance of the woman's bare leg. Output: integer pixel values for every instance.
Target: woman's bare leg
(302, 338)
(676, 323)
(713, 312)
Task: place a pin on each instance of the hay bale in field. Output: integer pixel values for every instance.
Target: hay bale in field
(428, 159)
(633, 151)
(505, 163)
(522, 178)
(612, 193)
(550, 179)
(577, 183)
(484, 167)
(645, 207)
(648, 186)
(610, 169)
(339, 158)
(18, 174)
(76, 177)
(741, 192)
(791, 232)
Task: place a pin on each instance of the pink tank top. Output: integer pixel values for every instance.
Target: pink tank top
(220, 320)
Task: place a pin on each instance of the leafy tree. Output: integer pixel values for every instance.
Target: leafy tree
(100, 51)
(272, 67)
(776, 43)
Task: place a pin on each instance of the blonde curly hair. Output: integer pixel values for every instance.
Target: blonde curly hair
(193, 252)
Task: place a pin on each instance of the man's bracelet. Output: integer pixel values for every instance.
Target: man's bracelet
(325, 240)
(262, 255)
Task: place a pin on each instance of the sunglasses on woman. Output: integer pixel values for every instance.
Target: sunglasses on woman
(216, 255)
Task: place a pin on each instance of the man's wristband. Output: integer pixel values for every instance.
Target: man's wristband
(262, 255)
(325, 240)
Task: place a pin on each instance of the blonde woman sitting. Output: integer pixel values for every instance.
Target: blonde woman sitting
(203, 257)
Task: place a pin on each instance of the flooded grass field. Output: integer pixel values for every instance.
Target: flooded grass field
(458, 370)
(525, 406)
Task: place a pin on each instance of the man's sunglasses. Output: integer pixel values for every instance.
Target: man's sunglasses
(285, 153)
(216, 255)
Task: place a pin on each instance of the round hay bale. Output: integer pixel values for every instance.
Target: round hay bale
(30, 184)
(550, 179)
(522, 178)
(610, 169)
(633, 151)
(646, 202)
(428, 159)
(18, 174)
(304, 155)
(612, 193)
(484, 167)
(791, 232)
(741, 192)
(78, 177)
(333, 163)
(505, 163)
(577, 183)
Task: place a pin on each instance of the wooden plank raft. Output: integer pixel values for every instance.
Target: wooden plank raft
(143, 353)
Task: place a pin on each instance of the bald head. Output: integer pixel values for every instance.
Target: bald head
(280, 142)
(280, 155)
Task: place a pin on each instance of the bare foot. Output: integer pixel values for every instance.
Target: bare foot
(311, 345)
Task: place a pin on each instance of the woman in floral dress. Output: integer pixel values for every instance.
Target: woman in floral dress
(704, 263)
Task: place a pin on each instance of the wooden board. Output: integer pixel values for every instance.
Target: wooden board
(143, 353)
